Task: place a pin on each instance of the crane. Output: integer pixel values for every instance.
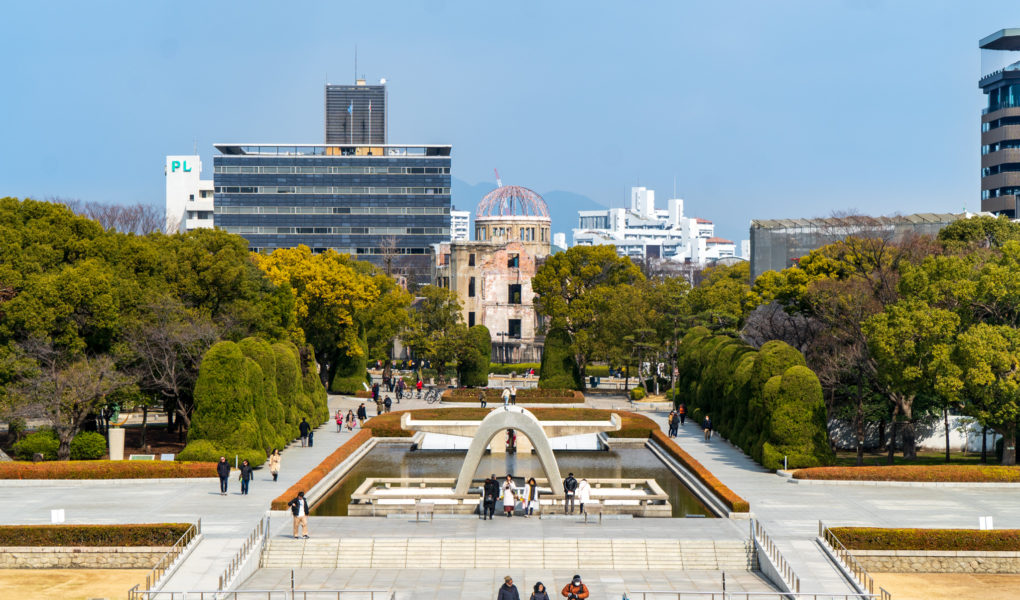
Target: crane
(499, 182)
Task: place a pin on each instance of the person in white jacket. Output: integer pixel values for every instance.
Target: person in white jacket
(583, 493)
(509, 495)
(530, 498)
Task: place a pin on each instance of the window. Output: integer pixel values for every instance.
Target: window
(471, 319)
(513, 261)
(514, 293)
(471, 287)
(191, 196)
(471, 260)
(514, 328)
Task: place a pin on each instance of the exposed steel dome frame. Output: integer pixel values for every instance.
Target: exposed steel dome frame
(512, 201)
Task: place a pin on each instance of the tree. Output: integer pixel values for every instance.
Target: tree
(558, 369)
(717, 301)
(436, 332)
(473, 359)
(572, 289)
(979, 232)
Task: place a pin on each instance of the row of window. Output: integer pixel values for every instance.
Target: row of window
(1003, 168)
(243, 229)
(527, 234)
(513, 327)
(996, 123)
(1006, 191)
(357, 250)
(1004, 145)
(344, 170)
(331, 189)
(332, 210)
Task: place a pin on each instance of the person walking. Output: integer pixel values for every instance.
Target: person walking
(362, 415)
(418, 386)
(350, 420)
(375, 393)
(671, 421)
(583, 494)
(400, 389)
(509, 496)
(299, 508)
(223, 471)
(506, 397)
(304, 428)
(513, 394)
(508, 591)
(274, 464)
(490, 491)
(682, 412)
(530, 498)
(539, 593)
(388, 403)
(575, 590)
(569, 491)
(481, 398)
(247, 473)
(706, 425)
(339, 420)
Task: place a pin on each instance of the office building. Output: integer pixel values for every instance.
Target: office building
(385, 204)
(356, 114)
(492, 274)
(189, 198)
(460, 225)
(643, 232)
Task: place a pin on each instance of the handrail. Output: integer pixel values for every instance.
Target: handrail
(165, 561)
(850, 563)
(761, 536)
(683, 595)
(258, 536)
(286, 594)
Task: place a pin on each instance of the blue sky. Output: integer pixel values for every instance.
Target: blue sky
(757, 109)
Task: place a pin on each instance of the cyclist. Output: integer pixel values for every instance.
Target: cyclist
(418, 385)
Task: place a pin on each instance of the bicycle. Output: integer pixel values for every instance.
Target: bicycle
(432, 396)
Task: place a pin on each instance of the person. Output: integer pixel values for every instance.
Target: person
(682, 411)
(506, 397)
(575, 590)
(481, 398)
(400, 389)
(508, 591)
(274, 464)
(511, 441)
(299, 508)
(388, 402)
(569, 489)
(418, 385)
(583, 493)
(539, 592)
(490, 490)
(339, 420)
(509, 496)
(513, 394)
(530, 498)
(223, 470)
(671, 421)
(247, 473)
(304, 428)
(706, 424)
(375, 393)
(362, 415)
(350, 420)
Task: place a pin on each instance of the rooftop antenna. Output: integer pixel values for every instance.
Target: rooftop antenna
(499, 182)
(194, 142)
(674, 186)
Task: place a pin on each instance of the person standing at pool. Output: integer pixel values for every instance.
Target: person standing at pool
(569, 489)
(530, 498)
(509, 496)
(583, 494)
(489, 493)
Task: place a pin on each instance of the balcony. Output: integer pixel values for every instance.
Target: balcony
(1008, 155)
(1008, 132)
(998, 204)
(1001, 180)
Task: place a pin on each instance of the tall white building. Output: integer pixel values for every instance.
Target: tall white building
(644, 232)
(189, 198)
(460, 225)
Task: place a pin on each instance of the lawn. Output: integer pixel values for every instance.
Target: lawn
(924, 457)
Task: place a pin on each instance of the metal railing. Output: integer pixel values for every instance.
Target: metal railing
(758, 534)
(167, 560)
(256, 538)
(268, 595)
(676, 595)
(850, 563)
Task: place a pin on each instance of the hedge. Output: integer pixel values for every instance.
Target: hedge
(559, 369)
(88, 445)
(637, 393)
(633, 425)
(531, 396)
(105, 469)
(322, 469)
(150, 534)
(958, 540)
(930, 473)
(44, 442)
(351, 371)
(728, 497)
(473, 369)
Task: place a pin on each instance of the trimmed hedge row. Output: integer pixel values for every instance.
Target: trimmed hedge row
(633, 425)
(931, 473)
(106, 469)
(958, 540)
(532, 395)
(728, 497)
(154, 534)
(322, 469)
(519, 368)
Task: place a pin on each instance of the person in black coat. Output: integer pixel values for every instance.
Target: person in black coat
(570, 490)
(299, 508)
(706, 425)
(223, 470)
(304, 428)
(247, 474)
(539, 592)
(490, 491)
(508, 591)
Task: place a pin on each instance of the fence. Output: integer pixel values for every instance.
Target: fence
(759, 535)
(256, 539)
(267, 595)
(675, 595)
(167, 560)
(864, 580)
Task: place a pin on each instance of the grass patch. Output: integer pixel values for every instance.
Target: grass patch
(105, 469)
(924, 457)
(915, 473)
(728, 497)
(959, 540)
(155, 534)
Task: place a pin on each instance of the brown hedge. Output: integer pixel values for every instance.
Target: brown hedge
(725, 494)
(106, 469)
(960, 540)
(151, 534)
(322, 469)
(531, 395)
(634, 425)
(929, 473)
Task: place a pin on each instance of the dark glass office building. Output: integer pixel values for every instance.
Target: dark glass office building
(1000, 124)
(377, 203)
(356, 114)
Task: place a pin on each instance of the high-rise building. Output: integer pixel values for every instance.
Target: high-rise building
(386, 204)
(356, 114)
(1000, 124)
(460, 225)
(189, 198)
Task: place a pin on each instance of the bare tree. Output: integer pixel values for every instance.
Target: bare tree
(139, 218)
(772, 322)
(390, 253)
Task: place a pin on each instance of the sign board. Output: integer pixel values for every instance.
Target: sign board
(57, 516)
(142, 457)
(167, 456)
(985, 523)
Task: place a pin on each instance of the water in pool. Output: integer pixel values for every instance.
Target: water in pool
(388, 460)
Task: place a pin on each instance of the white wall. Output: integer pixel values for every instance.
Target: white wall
(182, 181)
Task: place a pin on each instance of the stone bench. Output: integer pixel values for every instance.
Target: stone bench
(592, 508)
(428, 508)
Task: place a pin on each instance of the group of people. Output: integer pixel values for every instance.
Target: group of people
(246, 473)
(678, 416)
(574, 590)
(574, 490)
(508, 495)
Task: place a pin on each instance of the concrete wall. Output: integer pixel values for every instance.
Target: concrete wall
(67, 557)
(964, 434)
(937, 561)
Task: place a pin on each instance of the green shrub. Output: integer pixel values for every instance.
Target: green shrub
(288, 387)
(206, 451)
(15, 429)
(266, 400)
(312, 386)
(157, 534)
(559, 369)
(797, 421)
(473, 370)
(88, 445)
(43, 441)
(637, 393)
(351, 371)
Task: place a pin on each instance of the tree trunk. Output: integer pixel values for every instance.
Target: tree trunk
(859, 422)
(64, 450)
(626, 377)
(945, 416)
(909, 439)
(1009, 445)
(881, 434)
(984, 445)
(891, 442)
(145, 422)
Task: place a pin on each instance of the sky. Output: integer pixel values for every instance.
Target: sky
(756, 109)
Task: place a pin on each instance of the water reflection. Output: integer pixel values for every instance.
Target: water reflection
(388, 460)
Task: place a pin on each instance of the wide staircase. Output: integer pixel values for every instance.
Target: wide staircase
(469, 553)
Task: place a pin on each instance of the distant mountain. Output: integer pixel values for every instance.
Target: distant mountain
(563, 205)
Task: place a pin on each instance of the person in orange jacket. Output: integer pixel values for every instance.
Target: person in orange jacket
(575, 590)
